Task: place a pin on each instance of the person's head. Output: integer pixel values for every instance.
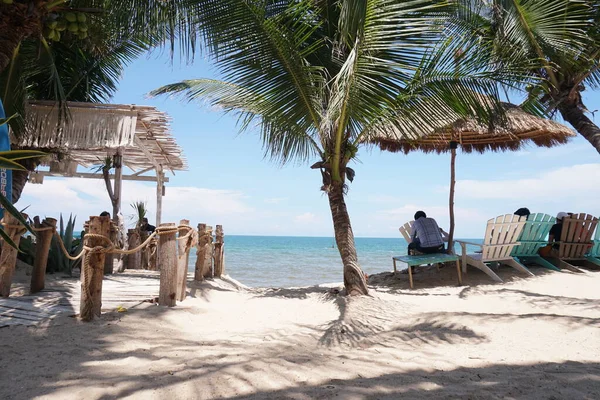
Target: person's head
(523, 212)
(105, 214)
(145, 221)
(420, 214)
(560, 216)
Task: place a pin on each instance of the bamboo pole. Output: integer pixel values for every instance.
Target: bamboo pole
(453, 145)
(133, 261)
(8, 257)
(219, 265)
(44, 240)
(167, 254)
(183, 252)
(92, 268)
(203, 253)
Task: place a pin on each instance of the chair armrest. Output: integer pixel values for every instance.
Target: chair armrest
(471, 243)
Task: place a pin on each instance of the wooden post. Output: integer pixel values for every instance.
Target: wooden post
(219, 264)
(204, 253)
(133, 261)
(92, 268)
(183, 252)
(8, 257)
(44, 240)
(167, 249)
(118, 164)
(109, 258)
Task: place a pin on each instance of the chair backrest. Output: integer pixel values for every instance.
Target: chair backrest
(501, 236)
(406, 231)
(534, 235)
(576, 236)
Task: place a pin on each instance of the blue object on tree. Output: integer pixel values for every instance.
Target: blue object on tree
(5, 174)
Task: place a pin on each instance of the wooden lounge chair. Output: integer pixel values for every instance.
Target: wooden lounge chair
(593, 256)
(423, 259)
(533, 237)
(499, 241)
(575, 241)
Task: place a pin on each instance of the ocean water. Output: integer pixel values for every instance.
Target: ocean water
(290, 261)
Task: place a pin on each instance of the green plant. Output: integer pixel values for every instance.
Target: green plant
(140, 213)
(57, 261)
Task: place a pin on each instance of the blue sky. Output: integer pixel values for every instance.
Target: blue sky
(230, 183)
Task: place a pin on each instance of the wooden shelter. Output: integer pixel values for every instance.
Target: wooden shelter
(137, 136)
(514, 129)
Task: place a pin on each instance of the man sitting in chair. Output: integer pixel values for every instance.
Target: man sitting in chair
(426, 236)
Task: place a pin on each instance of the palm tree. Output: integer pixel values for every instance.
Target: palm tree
(320, 77)
(558, 41)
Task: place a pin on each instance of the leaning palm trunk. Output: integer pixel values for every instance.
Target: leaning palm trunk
(19, 178)
(573, 113)
(354, 279)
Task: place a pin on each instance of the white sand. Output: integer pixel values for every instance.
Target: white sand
(534, 338)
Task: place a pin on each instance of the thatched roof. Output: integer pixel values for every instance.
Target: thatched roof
(91, 131)
(519, 128)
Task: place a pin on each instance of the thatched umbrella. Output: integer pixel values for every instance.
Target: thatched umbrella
(517, 129)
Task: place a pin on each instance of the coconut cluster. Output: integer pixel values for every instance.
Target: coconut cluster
(71, 22)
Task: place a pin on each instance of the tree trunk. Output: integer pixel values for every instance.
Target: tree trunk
(572, 112)
(19, 178)
(18, 21)
(354, 278)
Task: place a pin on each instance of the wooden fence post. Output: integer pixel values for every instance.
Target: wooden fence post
(183, 252)
(109, 258)
(92, 268)
(44, 240)
(8, 257)
(204, 253)
(133, 261)
(219, 264)
(167, 249)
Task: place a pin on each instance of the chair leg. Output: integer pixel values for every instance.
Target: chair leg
(484, 268)
(563, 264)
(394, 260)
(518, 266)
(593, 260)
(459, 273)
(542, 262)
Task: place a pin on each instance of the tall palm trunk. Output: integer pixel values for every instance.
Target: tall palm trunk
(354, 278)
(19, 178)
(18, 21)
(572, 112)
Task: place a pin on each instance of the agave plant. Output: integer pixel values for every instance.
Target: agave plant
(57, 261)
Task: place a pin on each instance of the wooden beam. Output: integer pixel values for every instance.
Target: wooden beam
(87, 175)
(160, 175)
(138, 173)
(147, 153)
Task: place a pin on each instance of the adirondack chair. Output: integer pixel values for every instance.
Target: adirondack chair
(593, 255)
(499, 241)
(534, 236)
(575, 241)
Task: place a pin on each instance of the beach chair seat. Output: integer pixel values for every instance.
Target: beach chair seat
(532, 238)
(500, 239)
(575, 241)
(426, 259)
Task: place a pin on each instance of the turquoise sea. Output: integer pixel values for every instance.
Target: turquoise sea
(289, 261)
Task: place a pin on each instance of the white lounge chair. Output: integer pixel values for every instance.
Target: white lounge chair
(500, 238)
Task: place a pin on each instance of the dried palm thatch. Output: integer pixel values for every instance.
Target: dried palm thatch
(518, 128)
(92, 130)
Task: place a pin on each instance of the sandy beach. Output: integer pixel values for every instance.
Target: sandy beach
(527, 338)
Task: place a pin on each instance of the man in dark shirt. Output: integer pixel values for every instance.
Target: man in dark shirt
(146, 227)
(556, 230)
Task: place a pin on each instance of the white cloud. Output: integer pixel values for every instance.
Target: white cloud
(307, 217)
(569, 183)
